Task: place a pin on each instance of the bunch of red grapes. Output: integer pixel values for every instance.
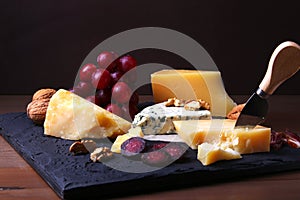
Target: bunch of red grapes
(105, 84)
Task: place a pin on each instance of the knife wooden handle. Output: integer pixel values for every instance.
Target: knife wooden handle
(284, 63)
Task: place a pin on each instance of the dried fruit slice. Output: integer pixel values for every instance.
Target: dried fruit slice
(133, 146)
(156, 158)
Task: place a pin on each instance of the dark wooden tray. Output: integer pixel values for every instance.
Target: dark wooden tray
(75, 177)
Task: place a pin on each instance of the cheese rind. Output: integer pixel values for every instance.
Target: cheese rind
(71, 117)
(242, 140)
(192, 84)
(158, 118)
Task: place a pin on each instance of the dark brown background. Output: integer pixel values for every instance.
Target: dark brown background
(43, 43)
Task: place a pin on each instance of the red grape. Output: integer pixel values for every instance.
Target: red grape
(101, 79)
(86, 72)
(133, 110)
(91, 98)
(83, 89)
(134, 99)
(114, 108)
(72, 90)
(129, 111)
(125, 112)
(116, 76)
(106, 60)
(131, 76)
(121, 92)
(103, 97)
(126, 63)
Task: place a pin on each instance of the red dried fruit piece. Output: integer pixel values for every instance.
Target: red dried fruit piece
(292, 139)
(175, 150)
(156, 158)
(133, 146)
(287, 137)
(276, 139)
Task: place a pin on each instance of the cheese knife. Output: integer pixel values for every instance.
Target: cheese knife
(284, 63)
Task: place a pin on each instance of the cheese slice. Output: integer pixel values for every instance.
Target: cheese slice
(158, 118)
(192, 84)
(242, 140)
(211, 153)
(71, 117)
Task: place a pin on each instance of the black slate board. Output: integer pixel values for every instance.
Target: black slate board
(75, 177)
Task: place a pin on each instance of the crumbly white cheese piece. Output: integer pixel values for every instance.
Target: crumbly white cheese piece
(158, 119)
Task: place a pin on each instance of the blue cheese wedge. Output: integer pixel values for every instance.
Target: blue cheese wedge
(158, 119)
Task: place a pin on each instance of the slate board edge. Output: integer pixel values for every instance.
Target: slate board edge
(29, 160)
(162, 184)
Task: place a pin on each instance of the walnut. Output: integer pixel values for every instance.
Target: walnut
(204, 104)
(179, 102)
(82, 147)
(235, 112)
(188, 104)
(101, 154)
(192, 105)
(174, 102)
(170, 102)
(196, 105)
(37, 108)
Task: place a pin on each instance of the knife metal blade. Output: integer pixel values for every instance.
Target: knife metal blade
(254, 112)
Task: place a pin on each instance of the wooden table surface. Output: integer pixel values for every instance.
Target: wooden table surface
(19, 181)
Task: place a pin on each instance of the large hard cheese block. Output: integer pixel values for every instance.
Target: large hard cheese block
(71, 117)
(242, 140)
(192, 84)
(158, 118)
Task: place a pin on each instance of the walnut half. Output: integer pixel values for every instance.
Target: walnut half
(36, 110)
(101, 154)
(82, 147)
(188, 104)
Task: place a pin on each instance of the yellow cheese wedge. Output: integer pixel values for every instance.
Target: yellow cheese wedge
(71, 117)
(242, 140)
(133, 132)
(210, 153)
(192, 84)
